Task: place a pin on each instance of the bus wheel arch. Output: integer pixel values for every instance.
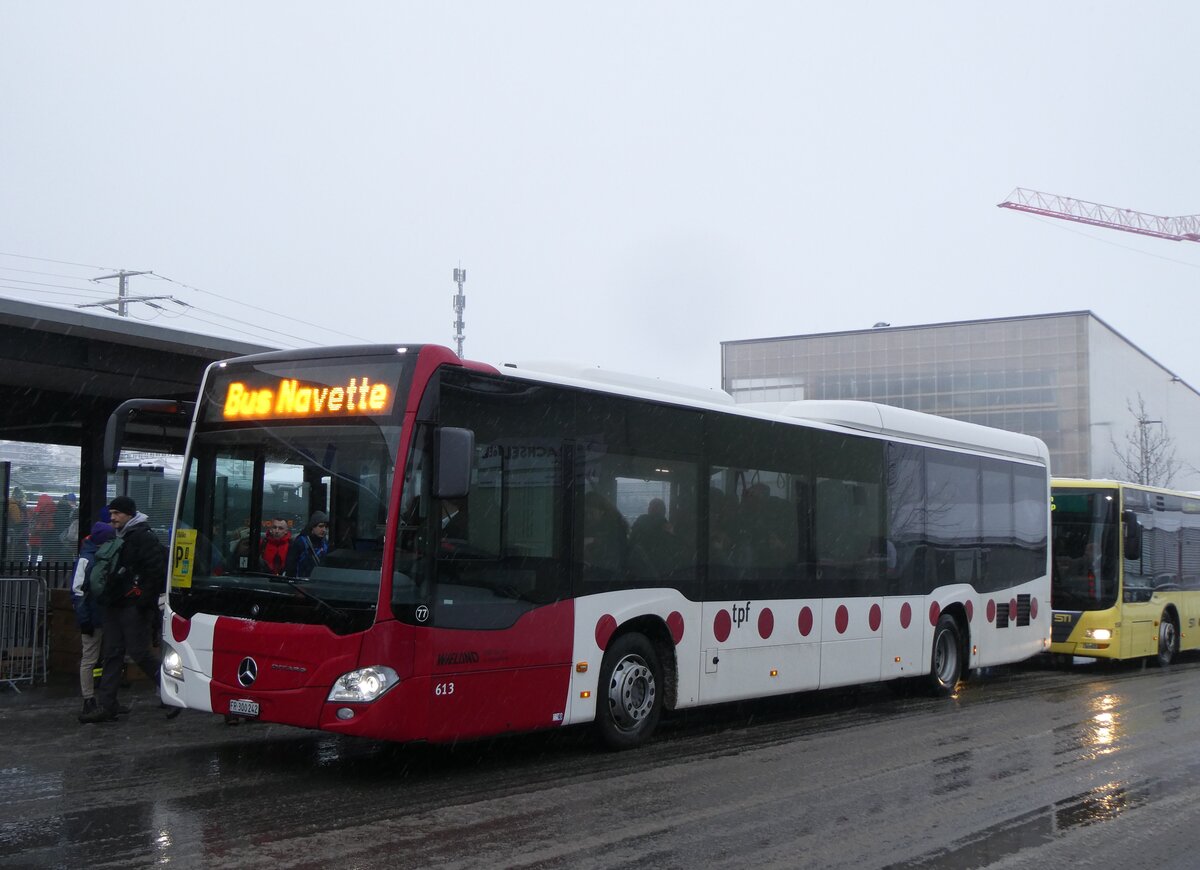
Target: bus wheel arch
(948, 656)
(637, 681)
(1168, 637)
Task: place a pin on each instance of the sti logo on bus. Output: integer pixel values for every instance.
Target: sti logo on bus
(291, 398)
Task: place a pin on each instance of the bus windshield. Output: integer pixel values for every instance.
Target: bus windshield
(1085, 539)
(285, 514)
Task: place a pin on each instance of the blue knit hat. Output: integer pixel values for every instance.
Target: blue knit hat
(102, 532)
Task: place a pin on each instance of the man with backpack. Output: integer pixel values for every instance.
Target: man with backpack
(131, 579)
(88, 612)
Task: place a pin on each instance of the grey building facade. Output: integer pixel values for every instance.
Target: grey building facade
(1068, 378)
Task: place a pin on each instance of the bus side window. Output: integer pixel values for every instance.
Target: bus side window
(1133, 535)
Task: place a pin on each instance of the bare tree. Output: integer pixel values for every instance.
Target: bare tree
(1148, 455)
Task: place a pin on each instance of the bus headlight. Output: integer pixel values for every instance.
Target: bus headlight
(1098, 634)
(172, 664)
(364, 685)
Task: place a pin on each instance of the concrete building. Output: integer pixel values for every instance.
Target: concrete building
(1070, 379)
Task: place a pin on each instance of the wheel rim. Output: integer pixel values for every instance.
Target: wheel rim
(1166, 637)
(945, 658)
(631, 692)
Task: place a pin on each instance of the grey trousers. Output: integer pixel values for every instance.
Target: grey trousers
(91, 646)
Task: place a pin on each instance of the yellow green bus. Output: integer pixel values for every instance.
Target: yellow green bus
(1125, 579)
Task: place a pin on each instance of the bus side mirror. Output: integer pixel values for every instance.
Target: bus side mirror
(455, 455)
(173, 418)
(1133, 535)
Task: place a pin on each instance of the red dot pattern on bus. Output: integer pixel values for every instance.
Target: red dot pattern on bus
(766, 623)
(721, 625)
(805, 621)
(675, 626)
(180, 627)
(605, 626)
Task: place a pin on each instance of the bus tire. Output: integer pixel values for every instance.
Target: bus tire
(1168, 640)
(946, 665)
(630, 697)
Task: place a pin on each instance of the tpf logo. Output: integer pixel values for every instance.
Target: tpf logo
(741, 613)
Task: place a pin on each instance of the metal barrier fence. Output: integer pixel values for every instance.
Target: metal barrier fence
(56, 574)
(24, 635)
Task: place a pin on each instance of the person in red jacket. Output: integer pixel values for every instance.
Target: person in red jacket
(41, 526)
(275, 545)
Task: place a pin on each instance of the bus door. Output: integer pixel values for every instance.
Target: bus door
(1155, 569)
(500, 652)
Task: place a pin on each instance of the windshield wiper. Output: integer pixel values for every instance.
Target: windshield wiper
(323, 606)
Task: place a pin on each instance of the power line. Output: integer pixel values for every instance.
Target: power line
(50, 274)
(321, 327)
(122, 299)
(49, 260)
(42, 292)
(60, 286)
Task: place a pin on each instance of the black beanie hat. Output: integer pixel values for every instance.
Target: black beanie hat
(124, 504)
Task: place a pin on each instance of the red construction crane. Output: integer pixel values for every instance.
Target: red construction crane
(1177, 229)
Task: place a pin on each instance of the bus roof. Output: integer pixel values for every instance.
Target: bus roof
(876, 419)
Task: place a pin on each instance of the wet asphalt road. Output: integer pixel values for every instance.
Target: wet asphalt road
(1094, 766)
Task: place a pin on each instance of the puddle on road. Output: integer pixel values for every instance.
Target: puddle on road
(1040, 826)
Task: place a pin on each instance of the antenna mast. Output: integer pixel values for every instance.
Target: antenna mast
(460, 302)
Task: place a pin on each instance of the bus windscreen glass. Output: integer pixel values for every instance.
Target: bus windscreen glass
(287, 455)
(1085, 546)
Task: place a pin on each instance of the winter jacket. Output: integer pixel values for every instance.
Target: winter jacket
(140, 572)
(88, 614)
(275, 552)
(305, 553)
(41, 526)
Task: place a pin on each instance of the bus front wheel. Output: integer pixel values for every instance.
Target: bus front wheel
(947, 665)
(1168, 640)
(630, 696)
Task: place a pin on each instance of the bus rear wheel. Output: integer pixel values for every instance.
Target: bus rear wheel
(630, 696)
(946, 668)
(1168, 640)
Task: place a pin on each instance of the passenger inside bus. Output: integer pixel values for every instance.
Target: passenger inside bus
(605, 538)
(309, 547)
(654, 549)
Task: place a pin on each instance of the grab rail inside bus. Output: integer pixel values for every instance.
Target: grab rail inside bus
(175, 412)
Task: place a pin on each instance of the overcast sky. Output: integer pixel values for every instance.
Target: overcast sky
(626, 184)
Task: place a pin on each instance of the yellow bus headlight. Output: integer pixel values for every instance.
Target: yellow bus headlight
(1098, 633)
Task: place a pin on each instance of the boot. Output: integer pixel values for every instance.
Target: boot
(89, 704)
(100, 714)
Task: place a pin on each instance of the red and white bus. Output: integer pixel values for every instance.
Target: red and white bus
(520, 548)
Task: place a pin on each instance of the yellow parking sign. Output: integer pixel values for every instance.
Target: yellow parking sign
(183, 558)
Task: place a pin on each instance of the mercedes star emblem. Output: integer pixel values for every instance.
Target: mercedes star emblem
(247, 671)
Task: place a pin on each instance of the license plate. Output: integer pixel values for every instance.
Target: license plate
(243, 708)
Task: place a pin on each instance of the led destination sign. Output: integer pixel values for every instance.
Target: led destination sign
(291, 398)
